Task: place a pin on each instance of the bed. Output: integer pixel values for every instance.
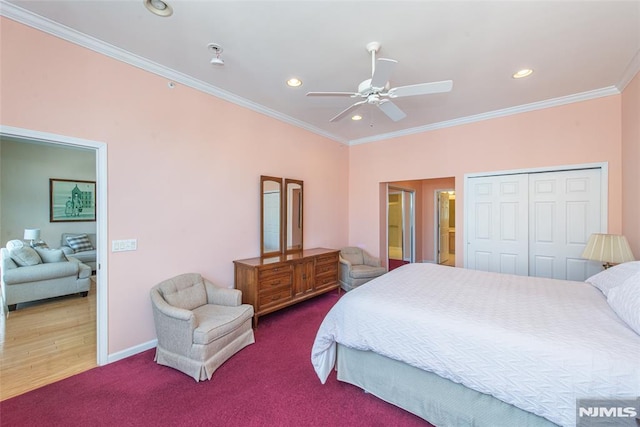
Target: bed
(465, 347)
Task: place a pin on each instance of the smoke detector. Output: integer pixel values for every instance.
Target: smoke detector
(217, 50)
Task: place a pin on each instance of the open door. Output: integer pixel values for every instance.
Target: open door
(445, 227)
(400, 227)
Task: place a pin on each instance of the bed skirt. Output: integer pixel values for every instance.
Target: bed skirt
(427, 395)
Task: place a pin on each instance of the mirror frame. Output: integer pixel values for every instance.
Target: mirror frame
(278, 181)
(285, 211)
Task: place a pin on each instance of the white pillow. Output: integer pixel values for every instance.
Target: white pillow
(625, 301)
(15, 244)
(51, 255)
(25, 256)
(614, 276)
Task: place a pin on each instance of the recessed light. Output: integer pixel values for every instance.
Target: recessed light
(293, 82)
(158, 7)
(356, 117)
(525, 72)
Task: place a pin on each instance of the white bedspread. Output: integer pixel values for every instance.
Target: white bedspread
(535, 343)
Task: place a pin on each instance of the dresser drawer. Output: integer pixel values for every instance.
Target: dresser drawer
(326, 268)
(277, 270)
(327, 260)
(326, 279)
(273, 297)
(270, 282)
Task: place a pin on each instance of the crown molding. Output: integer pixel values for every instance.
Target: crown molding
(578, 97)
(46, 25)
(630, 72)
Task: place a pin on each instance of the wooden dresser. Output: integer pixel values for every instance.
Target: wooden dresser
(272, 283)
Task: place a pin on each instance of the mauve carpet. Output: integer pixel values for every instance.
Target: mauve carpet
(269, 383)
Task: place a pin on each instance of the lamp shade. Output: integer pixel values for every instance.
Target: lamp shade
(31, 233)
(608, 248)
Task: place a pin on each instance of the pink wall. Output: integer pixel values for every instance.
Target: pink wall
(578, 133)
(631, 164)
(183, 167)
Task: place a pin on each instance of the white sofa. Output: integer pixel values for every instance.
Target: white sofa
(61, 276)
(86, 257)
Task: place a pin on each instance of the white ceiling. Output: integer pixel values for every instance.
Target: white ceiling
(578, 49)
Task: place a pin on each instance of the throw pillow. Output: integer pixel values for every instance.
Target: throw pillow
(625, 301)
(14, 244)
(25, 256)
(51, 255)
(80, 243)
(614, 276)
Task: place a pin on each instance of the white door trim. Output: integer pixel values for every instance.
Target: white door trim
(101, 225)
(604, 186)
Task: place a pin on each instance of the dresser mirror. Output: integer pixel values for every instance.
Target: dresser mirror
(270, 215)
(293, 215)
(281, 218)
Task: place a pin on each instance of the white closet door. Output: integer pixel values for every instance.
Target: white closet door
(498, 224)
(564, 209)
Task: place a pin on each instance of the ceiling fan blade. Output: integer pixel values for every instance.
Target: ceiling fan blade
(346, 112)
(421, 89)
(332, 94)
(382, 72)
(391, 110)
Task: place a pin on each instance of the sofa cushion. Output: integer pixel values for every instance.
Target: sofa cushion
(34, 273)
(51, 255)
(25, 256)
(80, 243)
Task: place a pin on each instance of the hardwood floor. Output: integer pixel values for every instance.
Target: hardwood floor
(46, 341)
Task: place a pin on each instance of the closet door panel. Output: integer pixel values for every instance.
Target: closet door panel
(498, 224)
(564, 211)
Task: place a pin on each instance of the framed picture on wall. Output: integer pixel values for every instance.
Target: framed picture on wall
(71, 200)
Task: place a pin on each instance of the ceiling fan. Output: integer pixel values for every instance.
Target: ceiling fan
(376, 90)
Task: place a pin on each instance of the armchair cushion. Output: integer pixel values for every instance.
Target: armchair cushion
(215, 321)
(353, 255)
(184, 292)
(366, 271)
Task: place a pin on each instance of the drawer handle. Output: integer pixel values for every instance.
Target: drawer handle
(275, 283)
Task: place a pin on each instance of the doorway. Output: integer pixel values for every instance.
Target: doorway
(400, 226)
(445, 227)
(100, 149)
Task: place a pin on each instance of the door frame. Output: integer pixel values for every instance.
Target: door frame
(436, 222)
(604, 191)
(412, 219)
(101, 221)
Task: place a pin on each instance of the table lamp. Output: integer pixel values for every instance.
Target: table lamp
(608, 248)
(32, 234)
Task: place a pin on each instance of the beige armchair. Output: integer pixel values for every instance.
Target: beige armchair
(357, 267)
(199, 325)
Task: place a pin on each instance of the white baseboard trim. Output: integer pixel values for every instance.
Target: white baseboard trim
(114, 357)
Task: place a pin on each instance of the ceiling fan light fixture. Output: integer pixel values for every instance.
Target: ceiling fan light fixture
(159, 7)
(525, 72)
(294, 82)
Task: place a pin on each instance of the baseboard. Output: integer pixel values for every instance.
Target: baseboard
(114, 357)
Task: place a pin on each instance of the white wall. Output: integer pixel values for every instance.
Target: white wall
(25, 169)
